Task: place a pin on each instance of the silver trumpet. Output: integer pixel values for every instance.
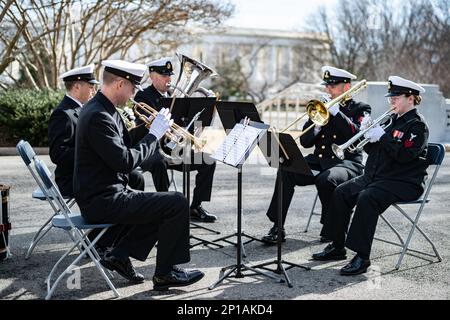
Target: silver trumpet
(357, 142)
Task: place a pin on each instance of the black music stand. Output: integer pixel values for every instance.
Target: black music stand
(230, 114)
(281, 152)
(239, 267)
(183, 111)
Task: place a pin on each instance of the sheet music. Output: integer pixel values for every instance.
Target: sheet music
(237, 144)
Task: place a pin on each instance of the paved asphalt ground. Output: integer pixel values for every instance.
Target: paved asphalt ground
(417, 278)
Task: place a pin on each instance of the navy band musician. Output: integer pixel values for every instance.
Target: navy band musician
(106, 152)
(395, 171)
(161, 71)
(80, 84)
(344, 122)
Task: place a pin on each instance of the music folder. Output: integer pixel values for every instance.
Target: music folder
(240, 142)
(185, 109)
(231, 112)
(281, 151)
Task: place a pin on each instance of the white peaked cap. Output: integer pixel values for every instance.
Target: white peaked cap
(159, 62)
(396, 81)
(127, 70)
(85, 73)
(336, 72)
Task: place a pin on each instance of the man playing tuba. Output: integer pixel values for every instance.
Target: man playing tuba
(160, 72)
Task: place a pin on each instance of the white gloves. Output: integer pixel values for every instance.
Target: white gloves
(161, 124)
(374, 134)
(334, 109)
(365, 122)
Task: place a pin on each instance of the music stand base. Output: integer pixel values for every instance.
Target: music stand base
(204, 242)
(280, 268)
(238, 270)
(243, 234)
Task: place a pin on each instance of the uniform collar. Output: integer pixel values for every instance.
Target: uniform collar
(408, 115)
(159, 92)
(75, 100)
(106, 102)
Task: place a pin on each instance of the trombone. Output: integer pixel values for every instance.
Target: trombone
(317, 110)
(352, 145)
(177, 135)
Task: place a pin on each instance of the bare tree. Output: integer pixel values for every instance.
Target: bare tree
(376, 38)
(7, 36)
(60, 35)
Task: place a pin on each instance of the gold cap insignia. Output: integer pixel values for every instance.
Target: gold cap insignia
(169, 65)
(326, 74)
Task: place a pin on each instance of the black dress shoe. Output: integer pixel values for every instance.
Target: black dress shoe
(356, 266)
(201, 215)
(272, 237)
(176, 278)
(124, 268)
(330, 253)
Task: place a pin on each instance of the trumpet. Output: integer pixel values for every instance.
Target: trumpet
(355, 143)
(177, 135)
(317, 111)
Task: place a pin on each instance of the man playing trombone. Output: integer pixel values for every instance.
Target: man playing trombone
(395, 171)
(344, 122)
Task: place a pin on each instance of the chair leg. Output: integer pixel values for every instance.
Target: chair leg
(38, 236)
(311, 213)
(88, 249)
(388, 223)
(411, 232)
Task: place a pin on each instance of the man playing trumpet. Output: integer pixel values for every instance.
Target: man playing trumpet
(395, 171)
(105, 154)
(344, 121)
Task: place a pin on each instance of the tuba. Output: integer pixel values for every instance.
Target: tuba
(192, 72)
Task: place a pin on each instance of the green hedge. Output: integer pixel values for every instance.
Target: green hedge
(24, 114)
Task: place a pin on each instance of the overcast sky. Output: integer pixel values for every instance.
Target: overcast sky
(278, 14)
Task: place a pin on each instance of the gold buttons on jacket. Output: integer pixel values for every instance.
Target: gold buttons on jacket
(334, 136)
(320, 156)
(323, 147)
(332, 157)
(323, 136)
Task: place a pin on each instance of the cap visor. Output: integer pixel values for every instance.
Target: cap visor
(93, 82)
(392, 94)
(138, 87)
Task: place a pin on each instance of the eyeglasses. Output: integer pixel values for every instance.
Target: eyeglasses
(394, 99)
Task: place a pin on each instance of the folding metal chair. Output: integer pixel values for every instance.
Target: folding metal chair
(435, 156)
(70, 221)
(312, 213)
(29, 156)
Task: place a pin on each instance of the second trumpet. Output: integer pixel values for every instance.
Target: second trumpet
(177, 135)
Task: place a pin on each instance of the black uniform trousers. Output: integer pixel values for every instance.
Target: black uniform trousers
(326, 182)
(371, 199)
(158, 166)
(143, 219)
(136, 182)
